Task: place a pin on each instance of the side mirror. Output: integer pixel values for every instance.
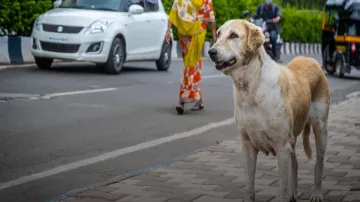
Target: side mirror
(245, 13)
(57, 3)
(136, 9)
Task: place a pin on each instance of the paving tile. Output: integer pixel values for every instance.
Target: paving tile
(182, 196)
(100, 195)
(87, 200)
(207, 192)
(176, 200)
(214, 199)
(197, 186)
(141, 199)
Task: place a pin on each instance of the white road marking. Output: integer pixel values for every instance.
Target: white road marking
(48, 96)
(116, 153)
(88, 105)
(353, 94)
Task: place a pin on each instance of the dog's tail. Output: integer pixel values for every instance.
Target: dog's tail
(306, 141)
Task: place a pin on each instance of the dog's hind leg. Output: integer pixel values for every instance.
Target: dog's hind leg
(250, 154)
(318, 119)
(293, 175)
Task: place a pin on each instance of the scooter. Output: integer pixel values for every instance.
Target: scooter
(267, 45)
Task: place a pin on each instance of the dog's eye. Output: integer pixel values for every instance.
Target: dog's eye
(233, 35)
(218, 34)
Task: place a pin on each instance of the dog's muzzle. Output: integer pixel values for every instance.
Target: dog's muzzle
(220, 65)
(213, 54)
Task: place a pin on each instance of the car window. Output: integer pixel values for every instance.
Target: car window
(152, 5)
(111, 5)
(138, 2)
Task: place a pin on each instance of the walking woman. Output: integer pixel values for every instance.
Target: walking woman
(190, 18)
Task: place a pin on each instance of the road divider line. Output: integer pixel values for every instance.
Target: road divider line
(49, 96)
(116, 153)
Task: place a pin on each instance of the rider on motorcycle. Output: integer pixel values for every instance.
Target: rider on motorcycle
(267, 11)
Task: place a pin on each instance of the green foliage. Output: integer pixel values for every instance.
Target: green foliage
(303, 26)
(297, 25)
(19, 15)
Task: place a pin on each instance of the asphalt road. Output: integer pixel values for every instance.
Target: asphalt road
(49, 119)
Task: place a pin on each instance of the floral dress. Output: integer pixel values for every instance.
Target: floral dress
(190, 18)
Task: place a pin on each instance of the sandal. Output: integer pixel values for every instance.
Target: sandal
(180, 108)
(197, 107)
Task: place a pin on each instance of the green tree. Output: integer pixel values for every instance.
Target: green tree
(19, 15)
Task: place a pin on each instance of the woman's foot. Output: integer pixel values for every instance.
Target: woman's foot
(198, 106)
(180, 108)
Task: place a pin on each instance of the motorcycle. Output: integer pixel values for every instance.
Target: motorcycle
(263, 24)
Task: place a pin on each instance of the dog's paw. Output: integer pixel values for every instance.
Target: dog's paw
(316, 198)
(293, 198)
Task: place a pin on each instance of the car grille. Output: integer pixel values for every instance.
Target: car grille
(62, 29)
(60, 47)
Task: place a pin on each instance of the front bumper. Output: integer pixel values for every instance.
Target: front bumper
(71, 46)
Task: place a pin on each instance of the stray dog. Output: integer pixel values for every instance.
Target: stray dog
(273, 105)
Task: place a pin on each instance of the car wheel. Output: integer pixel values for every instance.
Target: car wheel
(328, 67)
(43, 63)
(163, 63)
(339, 67)
(116, 57)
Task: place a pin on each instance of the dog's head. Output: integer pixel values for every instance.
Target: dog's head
(237, 42)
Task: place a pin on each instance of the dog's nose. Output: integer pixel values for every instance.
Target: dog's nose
(212, 51)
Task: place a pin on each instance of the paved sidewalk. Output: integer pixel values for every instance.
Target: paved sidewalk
(216, 173)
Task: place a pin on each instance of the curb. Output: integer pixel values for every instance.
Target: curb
(15, 50)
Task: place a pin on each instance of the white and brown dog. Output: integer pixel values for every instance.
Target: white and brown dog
(273, 105)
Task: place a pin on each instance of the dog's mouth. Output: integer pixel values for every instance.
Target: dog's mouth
(221, 65)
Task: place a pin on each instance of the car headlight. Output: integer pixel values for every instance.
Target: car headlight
(99, 26)
(36, 24)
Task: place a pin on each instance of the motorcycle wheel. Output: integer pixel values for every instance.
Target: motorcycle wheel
(269, 52)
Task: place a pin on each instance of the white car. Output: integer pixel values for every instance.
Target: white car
(106, 32)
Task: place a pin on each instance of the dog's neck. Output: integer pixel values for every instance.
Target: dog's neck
(247, 77)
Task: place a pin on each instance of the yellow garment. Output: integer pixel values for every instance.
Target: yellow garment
(187, 27)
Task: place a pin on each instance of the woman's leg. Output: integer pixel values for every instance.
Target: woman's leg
(183, 92)
(190, 85)
(199, 104)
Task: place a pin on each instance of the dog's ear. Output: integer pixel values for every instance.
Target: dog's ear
(255, 38)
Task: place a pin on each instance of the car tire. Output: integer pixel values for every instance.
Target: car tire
(329, 68)
(116, 57)
(43, 63)
(163, 63)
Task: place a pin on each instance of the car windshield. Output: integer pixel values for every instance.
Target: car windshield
(107, 5)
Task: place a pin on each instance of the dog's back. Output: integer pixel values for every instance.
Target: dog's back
(314, 99)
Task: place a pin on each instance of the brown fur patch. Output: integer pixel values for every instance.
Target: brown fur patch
(255, 38)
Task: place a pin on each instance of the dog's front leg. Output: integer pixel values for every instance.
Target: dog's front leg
(250, 156)
(283, 157)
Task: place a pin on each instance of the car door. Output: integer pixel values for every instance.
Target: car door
(138, 24)
(158, 21)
